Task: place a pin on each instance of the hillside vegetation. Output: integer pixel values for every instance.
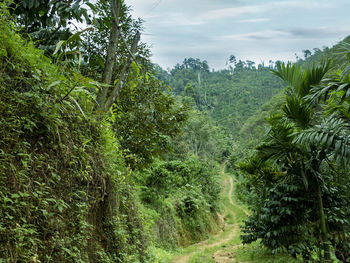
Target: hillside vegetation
(91, 167)
(296, 180)
(106, 157)
(230, 96)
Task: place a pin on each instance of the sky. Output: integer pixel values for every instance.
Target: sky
(257, 30)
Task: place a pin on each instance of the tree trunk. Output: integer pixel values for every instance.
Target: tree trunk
(324, 233)
(199, 77)
(123, 75)
(111, 53)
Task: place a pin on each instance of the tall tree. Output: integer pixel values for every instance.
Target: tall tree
(302, 114)
(282, 147)
(111, 50)
(109, 93)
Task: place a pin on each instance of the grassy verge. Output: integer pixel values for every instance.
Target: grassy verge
(228, 240)
(234, 214)
(255, 253)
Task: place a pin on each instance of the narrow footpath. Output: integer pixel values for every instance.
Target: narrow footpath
(229, 237)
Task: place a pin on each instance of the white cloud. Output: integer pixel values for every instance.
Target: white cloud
(302, 4)
(259, 35)
(254, 29)
(254, 20)
(231, 12)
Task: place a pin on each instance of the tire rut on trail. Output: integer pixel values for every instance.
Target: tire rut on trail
(219, 256)
(230, 198)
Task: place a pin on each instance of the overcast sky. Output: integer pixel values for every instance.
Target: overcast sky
(257, 30)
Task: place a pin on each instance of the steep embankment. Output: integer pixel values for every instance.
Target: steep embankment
(65, 194)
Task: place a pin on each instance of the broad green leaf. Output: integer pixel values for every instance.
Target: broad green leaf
(55, 83)
(58, 46)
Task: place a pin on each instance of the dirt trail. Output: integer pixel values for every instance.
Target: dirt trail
(205, 244)
(219, 256)
(230, 198)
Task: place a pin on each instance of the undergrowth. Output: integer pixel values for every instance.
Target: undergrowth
(65, 194)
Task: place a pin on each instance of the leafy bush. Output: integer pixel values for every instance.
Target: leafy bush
(184, 194)
(282, 220)
(65, 194)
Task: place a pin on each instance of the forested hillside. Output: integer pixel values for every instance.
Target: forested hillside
(106, 157)
(230, 96)
(255, 126)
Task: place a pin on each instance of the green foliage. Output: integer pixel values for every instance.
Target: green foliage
(331, 135)
(36, 14)
(66, 195)
(283, 217)
(96, 42)
(230, 96)
(184, 195)
(257, 253)
(48, 22)
(255, 126)
(252, 132)
(281, 221)
(292, 175)
(199, 136)
(298, 111)
(301, 79)
(148, 117)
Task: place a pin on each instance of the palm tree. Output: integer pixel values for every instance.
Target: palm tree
(333, 133)
(285, 143)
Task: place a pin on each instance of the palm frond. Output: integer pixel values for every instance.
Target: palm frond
(291, 73)
(337, 85)
(312, 77)
(333, 135)
(301, 79)
(344, 52)
(341, 109)
(278, 143)
(259, 171)
(320, 92)
(297, 110)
